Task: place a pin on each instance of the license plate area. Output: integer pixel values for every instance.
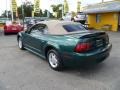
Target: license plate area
(14, 28)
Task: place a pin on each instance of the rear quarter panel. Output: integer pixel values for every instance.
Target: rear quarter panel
(62, 43)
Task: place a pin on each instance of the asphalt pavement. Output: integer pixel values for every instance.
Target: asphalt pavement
(22, 70)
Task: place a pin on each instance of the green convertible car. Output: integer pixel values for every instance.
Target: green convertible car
(65, 43)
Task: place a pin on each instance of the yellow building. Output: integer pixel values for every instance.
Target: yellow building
(104, 16)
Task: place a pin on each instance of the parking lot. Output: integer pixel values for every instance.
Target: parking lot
(22, 70)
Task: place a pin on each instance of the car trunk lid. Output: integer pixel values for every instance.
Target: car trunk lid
(97, 39)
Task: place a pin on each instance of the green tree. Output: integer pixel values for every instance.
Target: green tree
(41, 13)
(4, 14)
(45, 13)
(28, 8)
(57, 9)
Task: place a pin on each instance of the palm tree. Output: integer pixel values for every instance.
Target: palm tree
(57, 10)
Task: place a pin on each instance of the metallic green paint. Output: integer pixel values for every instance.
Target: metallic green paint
(65, 45)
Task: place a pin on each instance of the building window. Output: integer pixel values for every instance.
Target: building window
(98, 18)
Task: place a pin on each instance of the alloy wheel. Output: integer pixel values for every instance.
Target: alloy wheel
(53, 60)
(20, 44)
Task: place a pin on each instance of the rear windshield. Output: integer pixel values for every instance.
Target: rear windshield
(73, 27)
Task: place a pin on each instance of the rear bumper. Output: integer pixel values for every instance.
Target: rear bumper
(12, 31)
(87, 58)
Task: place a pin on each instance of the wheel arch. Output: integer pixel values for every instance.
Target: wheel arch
(49, 47)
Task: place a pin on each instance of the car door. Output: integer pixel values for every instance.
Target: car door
(34, 38)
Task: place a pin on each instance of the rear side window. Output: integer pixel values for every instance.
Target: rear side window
(39, 29)
(73, 27)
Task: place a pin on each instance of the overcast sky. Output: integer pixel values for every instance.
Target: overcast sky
(45, 4)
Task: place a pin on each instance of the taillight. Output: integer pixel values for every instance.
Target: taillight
(82, 47)
(107, 39)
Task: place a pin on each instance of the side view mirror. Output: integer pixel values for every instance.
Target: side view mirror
(27, 30)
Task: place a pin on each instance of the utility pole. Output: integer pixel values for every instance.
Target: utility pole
(62, 8)
(6, 10)
(48, 12)
(102, 1)
(23, 17)
(11, 11)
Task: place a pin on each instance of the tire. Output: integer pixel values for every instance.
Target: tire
(20, 44)
(54, 60)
